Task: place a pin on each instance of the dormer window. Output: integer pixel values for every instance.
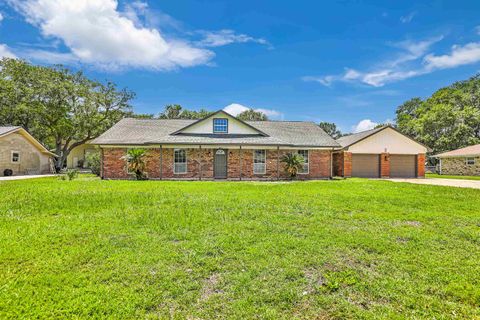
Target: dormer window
(220, 125)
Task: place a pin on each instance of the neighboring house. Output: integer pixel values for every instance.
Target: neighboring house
(380, 153)
(464, 161)
(217, 147)
(77, 157)
(22, 153)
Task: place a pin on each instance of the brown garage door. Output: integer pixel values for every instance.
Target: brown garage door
(403, 166)
(365, 165)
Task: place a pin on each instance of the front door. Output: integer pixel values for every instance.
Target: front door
(220, 164)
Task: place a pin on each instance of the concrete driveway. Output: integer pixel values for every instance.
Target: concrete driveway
(475, 184)
(33, 176)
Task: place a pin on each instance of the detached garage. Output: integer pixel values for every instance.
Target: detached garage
(380, 153)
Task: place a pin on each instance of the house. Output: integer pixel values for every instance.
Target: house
(380, 153)
(219, 146)
(77, 158)
(464, 161)
(23, 154)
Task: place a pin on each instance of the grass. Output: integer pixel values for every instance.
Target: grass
(202, 250)
(444, 176)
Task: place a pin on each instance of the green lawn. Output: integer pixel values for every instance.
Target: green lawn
(444, 176)
(201, 250)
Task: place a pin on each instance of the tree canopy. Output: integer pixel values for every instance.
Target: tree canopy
(449, 119)
(175, 111)
(61, 108)
(331, 129)
(252, 115)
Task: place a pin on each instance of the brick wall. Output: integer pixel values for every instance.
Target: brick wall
(384, 165)
(113, 166)
(421, 165)
(342, 164)
(200, 164)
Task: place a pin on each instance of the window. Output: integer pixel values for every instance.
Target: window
(470, 161)
(220, 125)
(259, 162)
(15, 156)
(180, 161)
(304, 154)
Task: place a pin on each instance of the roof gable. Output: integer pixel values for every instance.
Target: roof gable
(205, 126)
(388, 136)
(4, 131)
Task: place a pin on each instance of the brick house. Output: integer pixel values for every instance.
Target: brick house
(217, 147)
(463, 162)
(380, 153)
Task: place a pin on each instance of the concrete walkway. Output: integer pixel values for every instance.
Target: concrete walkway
(33, 176)
(475, 184)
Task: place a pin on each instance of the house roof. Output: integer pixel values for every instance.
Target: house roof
(462, 152)
(352, 139)
(145, 132)
(6, 130)
(347, 141)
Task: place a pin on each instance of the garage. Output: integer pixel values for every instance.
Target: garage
(381, 152)
(403, 166)
(366, 165)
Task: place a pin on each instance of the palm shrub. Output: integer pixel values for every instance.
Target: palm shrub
(136, 162)
(293, 162)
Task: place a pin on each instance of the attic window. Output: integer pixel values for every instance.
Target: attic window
(220, 125)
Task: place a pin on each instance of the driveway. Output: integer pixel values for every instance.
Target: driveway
(33, 176)
(475, 184)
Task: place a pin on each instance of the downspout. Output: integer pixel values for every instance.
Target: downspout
(161, 162)
(331, 163)
(200, 162)
(241, 162)
(278, 163)
(102, 170)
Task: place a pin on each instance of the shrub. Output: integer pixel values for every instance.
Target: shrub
(136, 162)
(293, 163)
(72, 174)
(93, 162)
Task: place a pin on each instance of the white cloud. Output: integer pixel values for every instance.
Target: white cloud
(459, 55)
(408, 18)
(236, 108)
(1, 17)
(6, 52)
(364, 125)
(226, 36)
(395, 69)
(97, 33)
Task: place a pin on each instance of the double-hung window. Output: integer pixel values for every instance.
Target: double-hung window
(15, 156)
(180, 161)
(220, 125)
(259, 162)
(470, 161)
(304, 155)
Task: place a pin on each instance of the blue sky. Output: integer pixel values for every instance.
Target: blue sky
(348, 62)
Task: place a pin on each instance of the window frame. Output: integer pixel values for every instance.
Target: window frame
(226, 125)
(307, 161)
(18, 157)
(264, 161)
(175, 161)
(470, 161)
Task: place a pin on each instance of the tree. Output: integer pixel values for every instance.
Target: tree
(252, 115)
(60, 108)
(293, 162)
(331, 129)
(176, 111)
(449, 119)
(136, 162)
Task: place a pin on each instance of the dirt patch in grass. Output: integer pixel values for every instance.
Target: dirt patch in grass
(211, 287)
